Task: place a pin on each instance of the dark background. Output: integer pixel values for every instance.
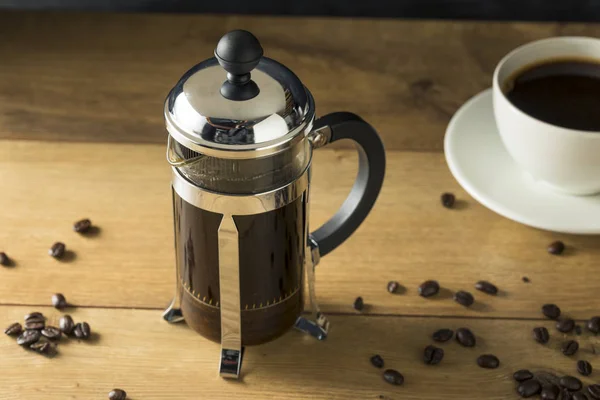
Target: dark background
(531, 10)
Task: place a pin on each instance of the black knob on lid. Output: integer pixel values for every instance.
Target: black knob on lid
(239, 52)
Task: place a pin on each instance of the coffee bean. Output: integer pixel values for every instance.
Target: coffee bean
(571, 383)
(429, 288)
(433, 355)
(14, 329)
(565, 325)
(66, 324)
(34, 316)
(59, 301)
(4, 260)
(359, 304)
(566, 395)
(465, 337)
(593, 325)
(443, 335)
(28, 337)
(551, 311)
(57, 250)
(82, 226)
(464, 298)
(35, 324)
(556, 248)
(377, 361)
(594, 391)
(570, 347)
(51, 333)
(486, 287)
(42, 347)
(393, 286)
(578, 329)
(522, 375)
(579, 396)
(584, 367)
(541, 335)
(394, 377)
(529, 388)
(525, 279)
(488, 361)
(550, 392)
(82, 330)
(448, 200)
(117, 394)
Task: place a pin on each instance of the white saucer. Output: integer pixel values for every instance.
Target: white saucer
(480, 163)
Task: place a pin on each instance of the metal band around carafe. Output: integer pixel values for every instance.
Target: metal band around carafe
(228, 204)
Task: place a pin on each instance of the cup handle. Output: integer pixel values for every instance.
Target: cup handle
(371, 171)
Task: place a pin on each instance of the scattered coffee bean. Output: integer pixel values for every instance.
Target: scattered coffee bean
(566, 395)
(525, 279)
(392, 286)
(571, 383)
(584, 367)
(489, 361)
(464, 298)
(59, 301)
(556, 248)
(448, 200)
(486, 287)
(359, 304)
(522, 375)
(579, 396)
(433, 355)
(541, 335)
(35, 324)
(57, 250)
(377, 361)
(82, 330)
(34, 316)
(28, 337)
(394, 377)
(4, 260)
(66, 324)
(429, 288)
(443, 335)
(51, 333)
(82, 226)
(594, 391)
(550, 392)
(570, 347)
(551, 311)
(565, 325)
(529, 388)
(465, 337)
(117, 394)
(42, 347)
(593, 325)
(14, 329)
(578, 329)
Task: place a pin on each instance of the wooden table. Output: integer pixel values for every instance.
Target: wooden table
(82, 136)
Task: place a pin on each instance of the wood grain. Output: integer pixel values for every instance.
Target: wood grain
(137, 351)
(409, 237)
(103, 77)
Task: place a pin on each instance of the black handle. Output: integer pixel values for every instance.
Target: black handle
(371, 170)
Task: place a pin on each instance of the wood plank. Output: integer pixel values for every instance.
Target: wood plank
(103, 77)
(409, 237)
(136, 351)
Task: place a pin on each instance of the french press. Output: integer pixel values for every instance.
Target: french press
(242, 130)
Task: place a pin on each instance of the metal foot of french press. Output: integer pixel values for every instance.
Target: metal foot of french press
(317, 325)
(173, 312)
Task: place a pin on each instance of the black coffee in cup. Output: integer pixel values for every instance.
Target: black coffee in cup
(562, 92)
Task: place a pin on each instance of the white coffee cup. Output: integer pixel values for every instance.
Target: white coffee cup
(566, 160)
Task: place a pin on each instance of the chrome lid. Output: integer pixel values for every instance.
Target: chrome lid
(238, 104)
